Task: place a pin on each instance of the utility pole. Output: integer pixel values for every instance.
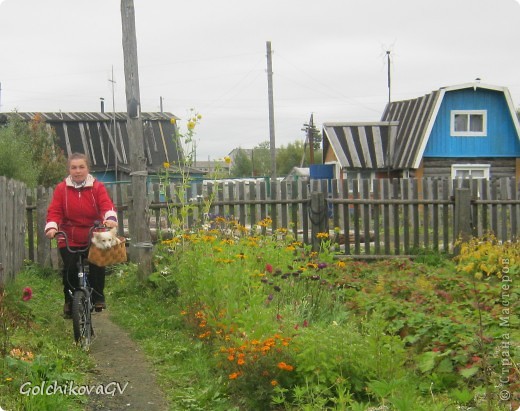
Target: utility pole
(272, 144)
(310, 136)
(114, 133)
(160, 103)
(138, 220)
(310, 132)
(389, 76)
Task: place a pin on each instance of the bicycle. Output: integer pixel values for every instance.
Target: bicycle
(82, 305)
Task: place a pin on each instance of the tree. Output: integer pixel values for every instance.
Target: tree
(16, 160)
(29, 152)
(242, 166)
(48, 158)
(261, 160)
(288, 157)
(291, 156)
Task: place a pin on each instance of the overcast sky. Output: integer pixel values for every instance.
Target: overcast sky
(329, 58)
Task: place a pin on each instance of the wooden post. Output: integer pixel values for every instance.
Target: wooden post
(272, 140)
(43, 248)
(319, 218)
(463, 229)
(138, 216)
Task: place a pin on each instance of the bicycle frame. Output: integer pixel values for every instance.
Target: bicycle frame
(82, 305)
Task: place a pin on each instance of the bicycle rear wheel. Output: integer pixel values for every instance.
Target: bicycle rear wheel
(81, 319)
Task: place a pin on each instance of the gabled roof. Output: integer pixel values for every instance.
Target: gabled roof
(417, 116)
(361, 145)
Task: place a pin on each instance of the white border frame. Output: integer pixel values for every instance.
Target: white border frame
(468, 133)
(484, 167)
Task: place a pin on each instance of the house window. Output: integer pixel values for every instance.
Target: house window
(359, 176)
(467, 123)
(470, 170)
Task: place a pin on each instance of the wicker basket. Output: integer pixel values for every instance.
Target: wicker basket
(114, 255)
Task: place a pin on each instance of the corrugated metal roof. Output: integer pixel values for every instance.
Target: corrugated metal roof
(89, 116)
(95, 135)
(362, 145)
(414, 120)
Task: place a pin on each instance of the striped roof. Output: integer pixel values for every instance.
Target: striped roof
(361, 145)
(103, 140)
(415, 119)
(89, 116)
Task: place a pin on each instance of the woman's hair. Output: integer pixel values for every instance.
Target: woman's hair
(78, 156)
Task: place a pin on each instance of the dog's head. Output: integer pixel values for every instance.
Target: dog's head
(104, 240)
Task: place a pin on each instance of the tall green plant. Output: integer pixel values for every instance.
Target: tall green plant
(29, 152)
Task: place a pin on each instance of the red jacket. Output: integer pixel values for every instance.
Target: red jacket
(74, 210)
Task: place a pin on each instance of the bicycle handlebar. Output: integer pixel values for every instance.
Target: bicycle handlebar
(96, 225)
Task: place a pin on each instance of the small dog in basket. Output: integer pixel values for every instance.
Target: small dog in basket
(105, 240)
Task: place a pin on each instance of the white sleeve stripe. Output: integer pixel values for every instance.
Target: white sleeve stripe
(111, 213)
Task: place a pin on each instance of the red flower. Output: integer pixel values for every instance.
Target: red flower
(269, 268)
(27, 294)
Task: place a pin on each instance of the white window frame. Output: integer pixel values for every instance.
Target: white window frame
(469, 133)
(470, 167)
(356, 175)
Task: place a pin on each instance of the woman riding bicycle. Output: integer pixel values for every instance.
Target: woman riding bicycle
(78, 202)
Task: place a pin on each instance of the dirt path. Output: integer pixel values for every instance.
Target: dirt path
(123, 369)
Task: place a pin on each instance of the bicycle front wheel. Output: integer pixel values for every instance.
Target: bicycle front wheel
(81, 319)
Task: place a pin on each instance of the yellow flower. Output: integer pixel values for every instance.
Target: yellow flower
(191, 125)
(166, 165)
(173, 120)
(199, 116)
(227, 160)
(322, 235)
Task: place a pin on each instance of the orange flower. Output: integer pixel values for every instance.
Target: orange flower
(231, 357)
(274, 383)
(284, 366)
(241, 361)
(234, 376)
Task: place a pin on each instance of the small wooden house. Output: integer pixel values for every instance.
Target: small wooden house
(103, 137)
(458, 131)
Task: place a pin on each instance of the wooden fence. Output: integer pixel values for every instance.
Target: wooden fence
(365, 218)
(12, 227)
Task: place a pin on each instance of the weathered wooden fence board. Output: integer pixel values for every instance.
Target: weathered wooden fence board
(12, 227)
(380, 217)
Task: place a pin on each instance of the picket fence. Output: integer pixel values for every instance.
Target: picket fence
(12, 227)
(363, 218)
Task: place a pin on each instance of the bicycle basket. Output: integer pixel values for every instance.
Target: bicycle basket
(114, 255)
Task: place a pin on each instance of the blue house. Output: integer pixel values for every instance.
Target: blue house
(458, 131)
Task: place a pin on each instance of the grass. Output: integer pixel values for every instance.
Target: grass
(154, 321)
(255, 322)
(36, 345)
